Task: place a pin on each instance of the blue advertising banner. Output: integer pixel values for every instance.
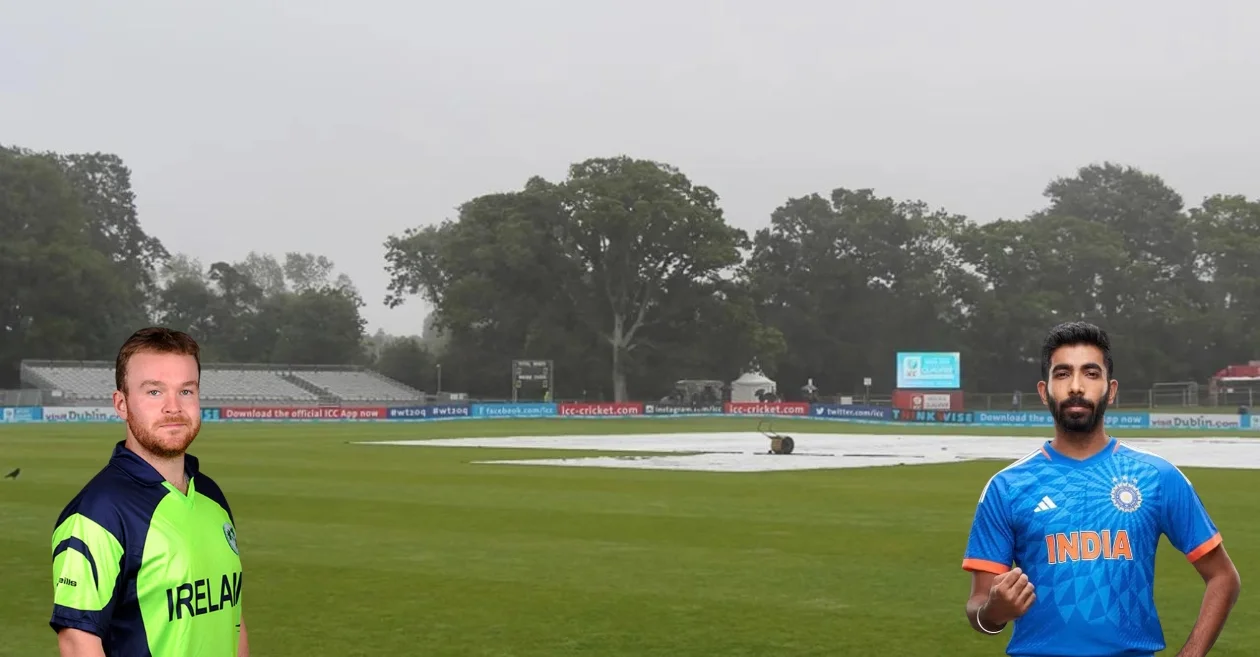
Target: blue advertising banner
(540, 409)
(1014, 418)
(1127, 420)
(209, 415)
(1114, 419)
(850, 412)
(407, 413)
(929, 370)
(21, 414)
(433, 411)
(650, 408)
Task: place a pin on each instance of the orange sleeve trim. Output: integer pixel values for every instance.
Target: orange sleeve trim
(985, 566)
(1207, 546)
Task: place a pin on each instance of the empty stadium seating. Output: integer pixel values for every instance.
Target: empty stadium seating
(246, 385)
(359, 386)
(78, 382)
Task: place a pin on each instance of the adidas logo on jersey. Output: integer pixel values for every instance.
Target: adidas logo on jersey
(1045, 505)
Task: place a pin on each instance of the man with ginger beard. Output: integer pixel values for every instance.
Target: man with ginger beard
(1063, 541)
(145, 560)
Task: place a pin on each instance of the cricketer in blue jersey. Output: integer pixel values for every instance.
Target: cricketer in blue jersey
(1063, 541)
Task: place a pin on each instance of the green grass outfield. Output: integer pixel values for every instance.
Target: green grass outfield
(365, 550)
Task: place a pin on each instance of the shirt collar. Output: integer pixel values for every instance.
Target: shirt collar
(1103, 454)
(139, 469)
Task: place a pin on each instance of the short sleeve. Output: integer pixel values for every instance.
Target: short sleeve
(1183, 518)
(86, 561)
(991, 544)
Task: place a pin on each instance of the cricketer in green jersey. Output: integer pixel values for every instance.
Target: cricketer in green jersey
(145, 560)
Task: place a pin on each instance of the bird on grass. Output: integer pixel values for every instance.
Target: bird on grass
(14, 474)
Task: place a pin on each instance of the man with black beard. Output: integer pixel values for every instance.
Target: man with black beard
(144, 558)
(1063, 540)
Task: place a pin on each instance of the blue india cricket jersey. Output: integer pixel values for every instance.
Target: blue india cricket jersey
(1085, 532)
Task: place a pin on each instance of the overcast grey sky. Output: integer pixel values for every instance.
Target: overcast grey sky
(325, 126)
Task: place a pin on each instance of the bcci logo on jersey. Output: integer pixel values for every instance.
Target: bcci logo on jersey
(230, 534)
(1125, 496)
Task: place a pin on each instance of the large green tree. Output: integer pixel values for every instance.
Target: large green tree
(405, 359)
(613, 259)
(852, 278)
(1227, 230)
(1113, 245)
(1034, 273)
(259, 310)
(627, 276)
(74, 263)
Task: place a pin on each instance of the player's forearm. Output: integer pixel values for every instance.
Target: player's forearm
(975, 614)
(1218, 601)
(242, 649)
(77, 643)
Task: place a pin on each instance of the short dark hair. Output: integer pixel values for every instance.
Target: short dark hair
(154, 339)
(1076, 333)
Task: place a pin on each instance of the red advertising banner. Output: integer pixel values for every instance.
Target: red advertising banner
(574, 409)
(767, 408)
(300, 413)
(921, 400)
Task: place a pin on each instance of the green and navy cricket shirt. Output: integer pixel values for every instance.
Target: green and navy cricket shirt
(153, 572)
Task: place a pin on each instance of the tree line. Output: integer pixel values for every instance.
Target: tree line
(628, 276)
(78, 274)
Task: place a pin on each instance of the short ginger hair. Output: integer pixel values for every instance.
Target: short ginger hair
(154, 339)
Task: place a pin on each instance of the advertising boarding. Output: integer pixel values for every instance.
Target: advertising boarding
(21, 414)
(598, 409)
(839, 412)
(925, 413)
(929, 370)
(766, 408)
(1195, 421)
(1042, 419)
(520, 410)
(675, 408)
(302, 413)
(430, 412)
(81, 414)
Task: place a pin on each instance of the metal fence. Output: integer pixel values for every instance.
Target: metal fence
(23, 397)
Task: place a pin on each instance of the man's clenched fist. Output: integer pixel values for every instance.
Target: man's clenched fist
(1009, 598)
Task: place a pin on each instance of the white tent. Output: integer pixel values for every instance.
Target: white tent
(745, 388)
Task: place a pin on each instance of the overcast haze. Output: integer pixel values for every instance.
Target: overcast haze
(327, 126)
